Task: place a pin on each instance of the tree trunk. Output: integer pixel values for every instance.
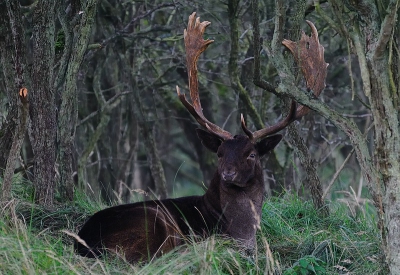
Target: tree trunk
(76, 41)
(6, 53)
(147, 132)
(387, 154)
(42, 102)
(12, 56)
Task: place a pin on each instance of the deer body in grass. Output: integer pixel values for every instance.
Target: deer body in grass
(231, 205)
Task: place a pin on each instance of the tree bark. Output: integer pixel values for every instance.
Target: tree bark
(312, 180)
(386, 159)
(233, 14)
(6, 54)
(12, 54)
(15, 128)
(18, 139)
(153, 158)
(76, 40)
(42, 102)
(105, 109)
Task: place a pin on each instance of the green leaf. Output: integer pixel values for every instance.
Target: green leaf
(311, 267)
(303, 263)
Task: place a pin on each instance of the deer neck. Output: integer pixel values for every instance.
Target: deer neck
(237, 209)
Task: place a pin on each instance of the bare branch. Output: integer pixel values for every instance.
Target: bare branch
(337, 173)
(257, 49)
(108, 104)
(386, 29)
(126, 30)
(279, 25)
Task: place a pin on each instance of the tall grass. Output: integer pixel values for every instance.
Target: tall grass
(293, 239)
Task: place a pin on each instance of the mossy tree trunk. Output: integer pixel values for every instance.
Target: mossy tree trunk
(383, 84)
(76, 27)
(312, 181)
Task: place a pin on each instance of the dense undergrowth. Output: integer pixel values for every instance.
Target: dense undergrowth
(293, 239)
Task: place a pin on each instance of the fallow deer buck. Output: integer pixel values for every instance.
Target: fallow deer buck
(231, 205)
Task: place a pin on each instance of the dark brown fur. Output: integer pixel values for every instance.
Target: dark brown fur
(231, 206)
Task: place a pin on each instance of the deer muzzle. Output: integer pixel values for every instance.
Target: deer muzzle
(229, 175)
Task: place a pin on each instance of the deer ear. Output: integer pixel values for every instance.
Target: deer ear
(267, 144)
(210, 141)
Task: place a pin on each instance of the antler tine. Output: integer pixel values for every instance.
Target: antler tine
(277, 127)
(245, 129)
(195, 45)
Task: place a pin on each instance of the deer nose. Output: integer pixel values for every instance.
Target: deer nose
(228, 175)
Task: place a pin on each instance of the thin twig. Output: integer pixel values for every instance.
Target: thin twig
(342, 166)
(337, 173)
(108, 103)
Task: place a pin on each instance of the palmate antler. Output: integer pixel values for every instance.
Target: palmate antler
(195, 45)
(307, 52)
(309, 55)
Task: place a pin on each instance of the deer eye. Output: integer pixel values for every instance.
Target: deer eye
(219, 155)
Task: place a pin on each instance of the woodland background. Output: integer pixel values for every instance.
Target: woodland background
(128, 115)
(102, 115)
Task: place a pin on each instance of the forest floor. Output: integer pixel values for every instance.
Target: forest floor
(293, 239)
